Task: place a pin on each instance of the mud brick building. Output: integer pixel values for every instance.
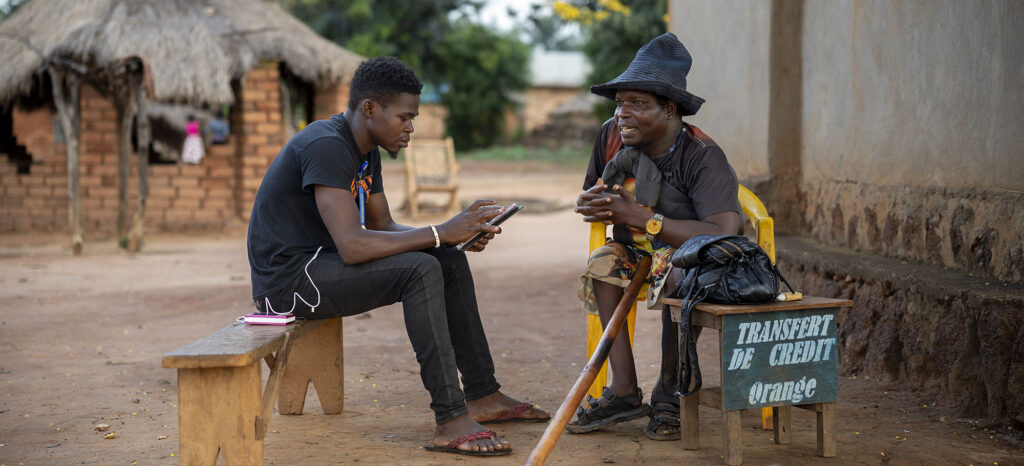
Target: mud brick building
(268, 70)
(885, 139)
(182, 196)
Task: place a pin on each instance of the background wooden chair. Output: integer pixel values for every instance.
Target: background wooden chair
(764, 229)
(430, 167)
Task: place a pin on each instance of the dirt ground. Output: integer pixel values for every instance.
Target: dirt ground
(81, 340)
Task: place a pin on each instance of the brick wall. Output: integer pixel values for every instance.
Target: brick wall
(541, 101)
(429, 124)
(259, 128)
(98, 162)
(330, 101)
(181, 196)
(211, 195)
(35, 201)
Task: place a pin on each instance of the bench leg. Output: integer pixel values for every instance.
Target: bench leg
(733, 436)
(316, 357)
(781, 416)
(826, 429)
(217, 411)
(689, 416)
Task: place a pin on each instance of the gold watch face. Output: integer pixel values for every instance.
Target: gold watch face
(653, 226)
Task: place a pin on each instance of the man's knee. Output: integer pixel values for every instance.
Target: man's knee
(422, 264)
(672, 281)
(450, 257)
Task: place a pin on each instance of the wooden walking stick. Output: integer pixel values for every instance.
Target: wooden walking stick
(565, 412)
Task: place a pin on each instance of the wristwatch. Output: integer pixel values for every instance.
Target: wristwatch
(653, 226)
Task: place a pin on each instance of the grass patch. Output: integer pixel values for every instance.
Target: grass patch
(565, 156)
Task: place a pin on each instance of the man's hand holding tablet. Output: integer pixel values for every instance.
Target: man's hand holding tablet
(504, 215)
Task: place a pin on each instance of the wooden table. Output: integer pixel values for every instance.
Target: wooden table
(777, 355)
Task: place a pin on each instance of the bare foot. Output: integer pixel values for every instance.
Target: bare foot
(464, 425)
(497, 404)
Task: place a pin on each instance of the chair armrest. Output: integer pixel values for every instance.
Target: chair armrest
(598, 232)
(763, 224)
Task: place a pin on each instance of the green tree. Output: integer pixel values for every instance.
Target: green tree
(412, 31)
(488, 68)
(476, 69)
(613, 31)
(8, 7)
(545, 29)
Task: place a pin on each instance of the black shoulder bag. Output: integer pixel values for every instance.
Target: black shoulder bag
(718, 269)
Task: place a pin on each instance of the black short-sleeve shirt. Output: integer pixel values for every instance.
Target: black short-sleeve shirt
(696, 167)
(285, 228)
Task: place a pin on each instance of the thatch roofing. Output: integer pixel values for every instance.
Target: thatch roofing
(192, 48)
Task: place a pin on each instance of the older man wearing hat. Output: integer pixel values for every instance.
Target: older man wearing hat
(659, 181)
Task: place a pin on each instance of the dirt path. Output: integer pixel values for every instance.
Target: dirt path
(81, 340)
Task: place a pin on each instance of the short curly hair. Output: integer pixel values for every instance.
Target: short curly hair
(381, 80)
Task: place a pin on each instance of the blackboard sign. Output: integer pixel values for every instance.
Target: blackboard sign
(779, 358)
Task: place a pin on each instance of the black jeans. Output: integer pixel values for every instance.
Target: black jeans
(436, 289)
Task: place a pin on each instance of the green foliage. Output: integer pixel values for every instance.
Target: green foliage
(613, 35)
(9, 7)
(563, 156)
(548, 31)
(487, 68)
(475, 68)
(411, 31)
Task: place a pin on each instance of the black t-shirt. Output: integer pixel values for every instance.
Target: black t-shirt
(704, 183)
(285, 228)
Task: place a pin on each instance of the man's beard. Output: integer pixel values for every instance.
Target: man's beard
(391, 155)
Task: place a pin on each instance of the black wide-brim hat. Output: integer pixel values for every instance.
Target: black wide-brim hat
(660, 67)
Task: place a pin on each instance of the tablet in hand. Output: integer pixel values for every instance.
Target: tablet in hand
(504, 215)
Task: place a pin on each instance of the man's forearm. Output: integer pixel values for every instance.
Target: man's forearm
(676, 232)
(392, 226)
(368, 245)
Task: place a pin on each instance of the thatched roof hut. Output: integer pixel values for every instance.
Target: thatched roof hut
(192, 49)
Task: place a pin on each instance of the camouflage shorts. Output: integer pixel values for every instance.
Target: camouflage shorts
(615, 263)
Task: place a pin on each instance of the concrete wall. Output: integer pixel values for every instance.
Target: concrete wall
(883, 126)
(914, 93)
(894, 130)
(729, 44)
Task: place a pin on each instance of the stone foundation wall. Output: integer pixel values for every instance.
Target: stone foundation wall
(921, 326)
(979, 231)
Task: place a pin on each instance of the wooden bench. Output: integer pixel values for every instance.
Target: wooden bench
(223, 406)
(752, 360)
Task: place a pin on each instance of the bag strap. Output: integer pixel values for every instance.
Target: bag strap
(776, 267)
(688, 367)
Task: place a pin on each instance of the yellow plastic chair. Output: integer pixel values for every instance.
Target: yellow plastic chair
(764, 227)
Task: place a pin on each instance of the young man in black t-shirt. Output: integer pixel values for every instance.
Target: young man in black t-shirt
(322, 243)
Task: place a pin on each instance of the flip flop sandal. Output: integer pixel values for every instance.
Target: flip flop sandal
(664, 415)
(515, 415)
(608, 410)
(453, 446)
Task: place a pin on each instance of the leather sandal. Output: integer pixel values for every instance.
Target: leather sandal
(664, 417)
(607, 410)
